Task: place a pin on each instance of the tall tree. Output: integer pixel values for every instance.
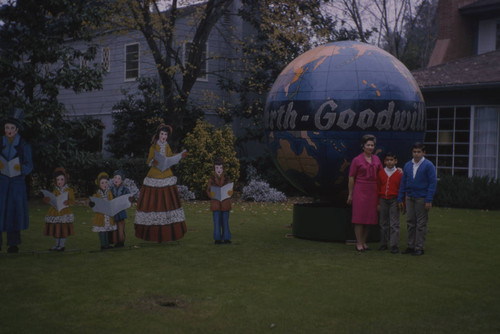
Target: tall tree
(420, 35)
(387, 19)
(279, 32)
(178, 66)
(355, 12)
(37, 59)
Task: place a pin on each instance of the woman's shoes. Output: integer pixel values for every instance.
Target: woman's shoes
(359, 250)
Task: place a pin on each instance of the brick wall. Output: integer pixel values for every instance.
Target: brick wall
(456, 33)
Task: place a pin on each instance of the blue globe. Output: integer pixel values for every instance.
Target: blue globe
(325, 100)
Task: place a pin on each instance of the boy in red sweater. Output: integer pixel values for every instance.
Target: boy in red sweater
(220, 209)
(388, 182)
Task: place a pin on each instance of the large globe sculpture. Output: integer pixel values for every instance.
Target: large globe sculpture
(325, 100)
(318, 109)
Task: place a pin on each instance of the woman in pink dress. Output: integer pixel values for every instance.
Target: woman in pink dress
(363, 191)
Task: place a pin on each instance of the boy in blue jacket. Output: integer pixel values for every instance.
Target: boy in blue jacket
(418, 184)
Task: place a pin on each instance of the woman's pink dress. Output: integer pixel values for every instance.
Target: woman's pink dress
(364, 197)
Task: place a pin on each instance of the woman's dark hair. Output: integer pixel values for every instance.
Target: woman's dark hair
(367, 138)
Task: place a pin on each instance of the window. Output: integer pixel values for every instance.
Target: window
(106, 59)
(447, 139)
(131, 62)
(486, 146)
(204, 62)
(83, 62)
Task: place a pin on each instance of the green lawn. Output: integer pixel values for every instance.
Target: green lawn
(263, 282)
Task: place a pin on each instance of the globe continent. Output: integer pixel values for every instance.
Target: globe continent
(325, 100)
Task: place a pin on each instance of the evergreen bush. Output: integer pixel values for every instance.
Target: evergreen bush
(72, 144)
(85, 167)
(204, 144)
(473, 193)
(135, 119)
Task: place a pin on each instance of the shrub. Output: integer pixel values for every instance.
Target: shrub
(134, 168)
(463, 192)
(259, 191)
(137, 115)
(135, 119)
(268, 172)
(185, 193)
(204, 144)
(130, 184)
(85, 167)
(72, 144)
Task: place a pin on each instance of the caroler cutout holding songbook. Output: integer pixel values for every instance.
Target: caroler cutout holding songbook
(15, 164)
(220, 190)
(59, 219)
(103, 224)
(160, 216)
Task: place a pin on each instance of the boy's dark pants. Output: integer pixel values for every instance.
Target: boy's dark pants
(389, 221)
(416, 220)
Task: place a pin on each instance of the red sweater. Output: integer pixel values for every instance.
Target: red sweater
(388, 187)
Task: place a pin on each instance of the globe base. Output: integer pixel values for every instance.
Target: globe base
(323, 222)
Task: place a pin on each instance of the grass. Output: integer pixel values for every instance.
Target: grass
(263, 282)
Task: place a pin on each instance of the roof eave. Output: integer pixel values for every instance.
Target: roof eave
(475, 86)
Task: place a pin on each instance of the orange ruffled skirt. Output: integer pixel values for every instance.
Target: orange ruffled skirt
(59, 224)
(160, 216)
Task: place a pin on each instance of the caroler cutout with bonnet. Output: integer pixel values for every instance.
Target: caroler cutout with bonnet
(119, 189)
(102, 223)
(15, 164)
(59, 223)
(160, 216)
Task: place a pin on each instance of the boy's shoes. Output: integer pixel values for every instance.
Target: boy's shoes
(382, 248)
(227, 241)
(395, 249)
(418, 252)
(408, 251)
(12, 249)
(61, 249)
(218, 242)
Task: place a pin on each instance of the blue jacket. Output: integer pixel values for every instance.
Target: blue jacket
(122, 215)
(423, 185)
(14, 214)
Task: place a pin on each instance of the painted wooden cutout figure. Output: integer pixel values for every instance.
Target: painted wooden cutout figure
(119, 189)
(102, 223)
(59, 223)
(160, 216)
(15, 164)
(219, 190)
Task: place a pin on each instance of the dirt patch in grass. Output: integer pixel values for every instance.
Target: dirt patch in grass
(157, 303)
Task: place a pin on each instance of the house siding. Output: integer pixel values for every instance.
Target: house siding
(205, 93)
